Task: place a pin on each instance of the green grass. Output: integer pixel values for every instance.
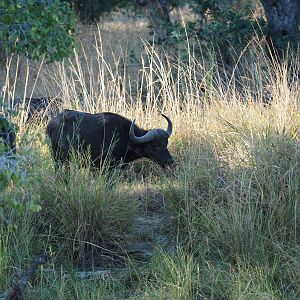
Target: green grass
(231, 203)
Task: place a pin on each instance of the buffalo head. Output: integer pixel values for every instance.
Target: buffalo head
(153, 144)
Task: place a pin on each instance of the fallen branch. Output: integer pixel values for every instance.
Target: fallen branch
(91, 275)
(103, 274)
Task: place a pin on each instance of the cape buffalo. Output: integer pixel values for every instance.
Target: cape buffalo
(7, 135)
(107, 134)
(42, 108)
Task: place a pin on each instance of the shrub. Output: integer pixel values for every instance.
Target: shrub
(225, 30)
(36, 27)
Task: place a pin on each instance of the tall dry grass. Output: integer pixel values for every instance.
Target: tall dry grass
(233, 193)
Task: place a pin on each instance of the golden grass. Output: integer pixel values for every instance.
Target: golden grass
(233, 194)
(121, 35)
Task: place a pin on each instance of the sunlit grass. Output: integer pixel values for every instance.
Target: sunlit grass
(233, 194)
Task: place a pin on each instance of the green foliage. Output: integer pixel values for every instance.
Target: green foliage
(226, 30)
(34, 28)
(14, 178)
(18, 195)
(90, 10)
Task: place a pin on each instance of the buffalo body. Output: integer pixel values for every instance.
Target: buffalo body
(106, 136)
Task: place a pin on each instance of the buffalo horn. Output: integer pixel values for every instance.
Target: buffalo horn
(170, 126)
(151, 134)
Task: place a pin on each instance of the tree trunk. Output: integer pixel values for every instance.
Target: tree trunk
(283, 17)
(157, 12)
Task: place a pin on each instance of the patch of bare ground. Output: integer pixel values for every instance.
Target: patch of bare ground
(153, 229)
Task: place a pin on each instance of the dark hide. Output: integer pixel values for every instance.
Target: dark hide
(42, 108)
(7, 135)
(103, 134)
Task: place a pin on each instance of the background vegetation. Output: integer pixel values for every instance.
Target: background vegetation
(35, 28)
(222, 224)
